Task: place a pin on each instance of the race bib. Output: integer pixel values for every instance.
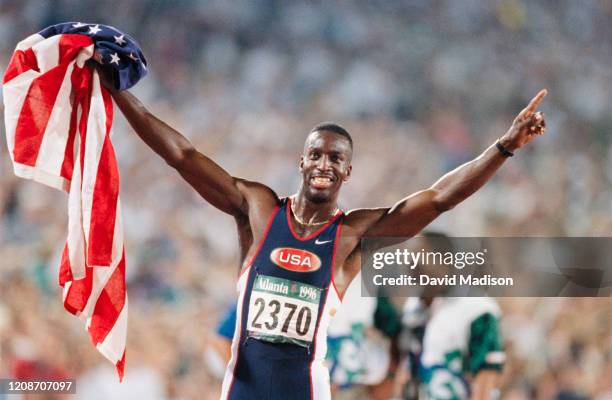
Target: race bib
(283, 311)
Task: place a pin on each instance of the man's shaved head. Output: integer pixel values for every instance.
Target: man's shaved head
(335, 128)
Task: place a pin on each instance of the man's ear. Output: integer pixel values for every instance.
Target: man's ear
(348, 173)
(301, 164)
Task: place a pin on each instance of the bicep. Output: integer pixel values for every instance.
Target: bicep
(408, 216)
(212, 182)
(216, 198)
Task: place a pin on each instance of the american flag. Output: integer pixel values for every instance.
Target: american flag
(58, 121)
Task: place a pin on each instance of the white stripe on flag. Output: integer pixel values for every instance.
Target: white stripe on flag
(29, 42)
(76, 236)
(47, 53)
(85, 54)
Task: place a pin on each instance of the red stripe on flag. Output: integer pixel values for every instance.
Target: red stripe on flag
(83, 91)
(68, 163)
(35, 114)
(79, 292)
(70, 44)
(65, 273)
(21, 61)
(104, 203)
(120, 366)
(109, 304)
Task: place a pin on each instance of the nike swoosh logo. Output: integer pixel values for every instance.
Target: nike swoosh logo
(322, 242)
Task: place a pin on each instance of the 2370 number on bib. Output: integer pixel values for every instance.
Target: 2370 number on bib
(283, 311)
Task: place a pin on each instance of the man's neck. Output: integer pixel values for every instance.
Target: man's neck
(311, 212)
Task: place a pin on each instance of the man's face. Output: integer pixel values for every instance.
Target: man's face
(325, 165)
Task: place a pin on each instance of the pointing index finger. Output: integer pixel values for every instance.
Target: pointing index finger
(534, 103)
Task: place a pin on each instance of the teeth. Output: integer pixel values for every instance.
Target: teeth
(321, 179)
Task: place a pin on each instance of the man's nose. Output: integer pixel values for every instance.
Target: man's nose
(323, 163)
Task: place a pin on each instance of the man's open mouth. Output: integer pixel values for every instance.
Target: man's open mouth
(321, 182)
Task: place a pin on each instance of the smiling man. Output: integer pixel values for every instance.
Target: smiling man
(300, 253)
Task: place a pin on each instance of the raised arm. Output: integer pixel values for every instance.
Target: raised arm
(210, 180)
(413, 213)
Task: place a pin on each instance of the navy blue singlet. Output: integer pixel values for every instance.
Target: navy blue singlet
(287, 298)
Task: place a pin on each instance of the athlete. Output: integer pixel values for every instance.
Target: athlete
(300, 253)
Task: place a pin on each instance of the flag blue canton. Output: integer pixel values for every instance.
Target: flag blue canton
(113, 48)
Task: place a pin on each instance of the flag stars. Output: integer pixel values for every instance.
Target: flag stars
(114, 59)
(79, 25)
(133, 57)
(94, 29)
(119, 40)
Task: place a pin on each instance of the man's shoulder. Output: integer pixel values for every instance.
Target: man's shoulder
(257, 191)
(361, 219)
(261, 201)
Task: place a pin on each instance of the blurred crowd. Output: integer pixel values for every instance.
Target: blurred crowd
(421, 86)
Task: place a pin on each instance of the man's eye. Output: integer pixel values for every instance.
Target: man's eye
(335, 158)
(314, 155)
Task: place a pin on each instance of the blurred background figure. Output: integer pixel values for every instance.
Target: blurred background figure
(454, 344)
(219, 349)
(460, 351)
(421, 86)
(362, 346)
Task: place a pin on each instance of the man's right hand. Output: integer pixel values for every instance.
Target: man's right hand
(105, 73)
